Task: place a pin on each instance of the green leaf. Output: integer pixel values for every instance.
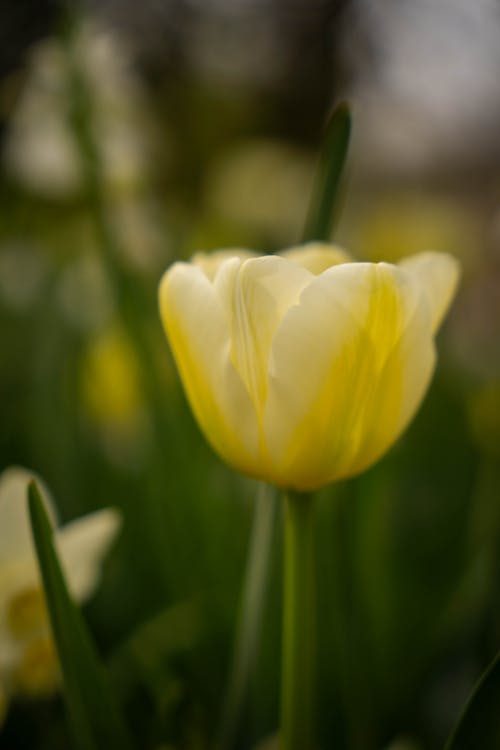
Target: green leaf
(95, 719)
(147, 656)
(331, 164)
(479, 725)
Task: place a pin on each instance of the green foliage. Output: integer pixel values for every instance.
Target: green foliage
(479, 725)
(95, 719)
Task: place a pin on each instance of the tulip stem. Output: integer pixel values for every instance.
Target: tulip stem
(250, 615)
(298, 624)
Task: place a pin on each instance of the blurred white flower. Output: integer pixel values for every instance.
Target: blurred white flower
(28, 663)
(40, 149)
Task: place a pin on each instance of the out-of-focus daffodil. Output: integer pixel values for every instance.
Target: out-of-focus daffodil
(299, 375)
(28, 662)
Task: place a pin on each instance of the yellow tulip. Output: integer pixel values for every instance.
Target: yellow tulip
(304, 368)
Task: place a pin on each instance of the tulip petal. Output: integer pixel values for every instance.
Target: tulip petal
(349, 364)
(197, 327)
(402, 384)
(211, 262)
(82, 546)
(15, 529)
(316, 256)
(256, 294)
(438, 275)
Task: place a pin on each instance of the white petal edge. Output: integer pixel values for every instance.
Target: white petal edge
(255, 295)
(437, 275)
(211, 262)
(82, 545)
(15, 528)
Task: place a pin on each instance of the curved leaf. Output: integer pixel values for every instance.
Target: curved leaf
(95, 719)
(479, 725)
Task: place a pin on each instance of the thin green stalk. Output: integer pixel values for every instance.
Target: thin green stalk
(298, 667)
(250, 614)
(327, 183)
(126, 294)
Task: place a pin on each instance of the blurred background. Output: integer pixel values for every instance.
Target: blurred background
(133, 134)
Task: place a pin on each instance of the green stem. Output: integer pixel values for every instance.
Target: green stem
(298, 624)
(327, 182)
(250, 615)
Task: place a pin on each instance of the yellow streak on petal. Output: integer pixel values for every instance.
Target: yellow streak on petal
(347, 404)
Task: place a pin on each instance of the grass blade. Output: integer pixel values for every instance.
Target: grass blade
(331, 165)
(95, 720)
(250, 617)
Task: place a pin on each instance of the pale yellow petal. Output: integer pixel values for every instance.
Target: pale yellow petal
(210, 262)
(256, 294)
(83, 545)
(401, 387)
(316, 256)
(15, 528)
(438, 275)
(349, 364)
(197, 328)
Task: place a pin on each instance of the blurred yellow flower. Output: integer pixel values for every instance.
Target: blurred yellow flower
(299, 375)
(113, 398)
(110, 380)
(28, 663)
